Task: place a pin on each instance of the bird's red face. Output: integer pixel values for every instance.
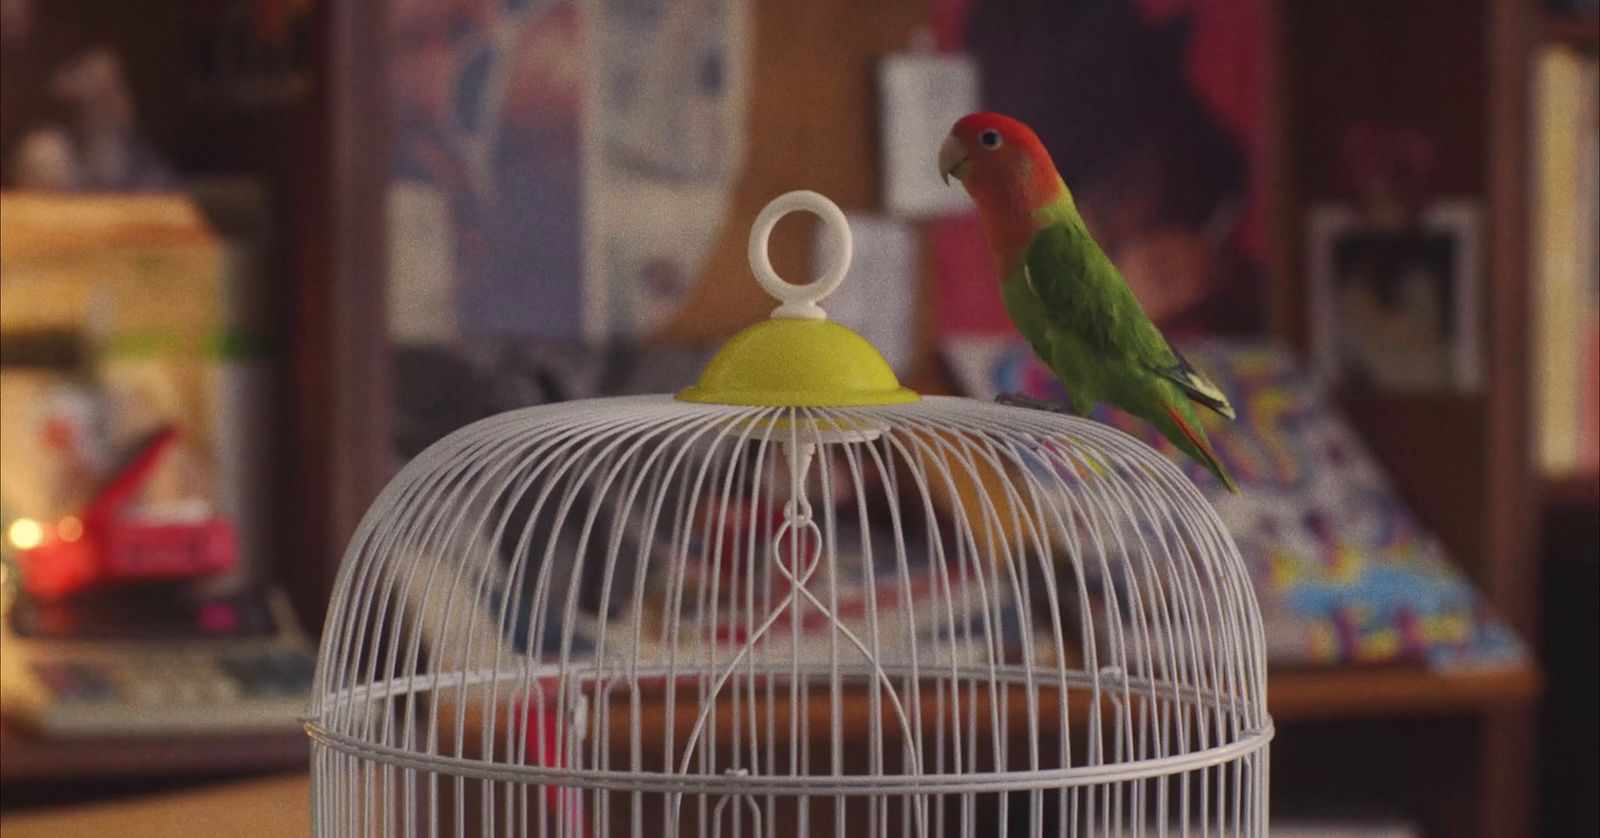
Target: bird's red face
(1001, 163)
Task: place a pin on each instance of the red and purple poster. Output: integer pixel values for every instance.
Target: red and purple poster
(1154, 113)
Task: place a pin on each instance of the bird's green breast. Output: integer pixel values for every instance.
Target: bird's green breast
(1026, 310)
(1077, 364)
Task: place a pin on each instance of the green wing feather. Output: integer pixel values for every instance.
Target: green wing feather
(1195, 385)
(1085, 293)
(1074, 307)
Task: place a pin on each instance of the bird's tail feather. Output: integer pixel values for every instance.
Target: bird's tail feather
(1200, 448)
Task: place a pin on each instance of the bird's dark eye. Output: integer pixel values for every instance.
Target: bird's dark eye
(989, 139)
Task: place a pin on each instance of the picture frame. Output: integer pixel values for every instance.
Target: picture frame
(1396, 308)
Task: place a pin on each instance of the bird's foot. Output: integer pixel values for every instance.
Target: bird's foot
(1031, 403)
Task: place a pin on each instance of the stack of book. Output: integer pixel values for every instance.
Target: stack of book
(1565, 247)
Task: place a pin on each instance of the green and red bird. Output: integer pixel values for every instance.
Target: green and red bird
(1064, 294)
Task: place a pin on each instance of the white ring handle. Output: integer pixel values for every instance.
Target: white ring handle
(800, 300)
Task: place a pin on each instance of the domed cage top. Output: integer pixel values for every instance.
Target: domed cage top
(902, 616)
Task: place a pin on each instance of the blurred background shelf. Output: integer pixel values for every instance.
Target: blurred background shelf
(1582, 30)
(1570, 491)
(26, 759)
(1309, 695)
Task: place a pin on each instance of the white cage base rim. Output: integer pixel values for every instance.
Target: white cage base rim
(1247, 743)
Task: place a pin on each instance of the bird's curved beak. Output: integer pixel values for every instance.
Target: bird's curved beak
(952, 159)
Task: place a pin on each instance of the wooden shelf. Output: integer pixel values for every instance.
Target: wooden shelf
(1570, 492)
(1293, 695)
(1580, 30)
(24, 758)
(1357, 693)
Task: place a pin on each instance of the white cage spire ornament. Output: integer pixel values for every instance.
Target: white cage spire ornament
(796, 599)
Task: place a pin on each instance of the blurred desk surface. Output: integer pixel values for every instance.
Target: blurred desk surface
(259, 808)
(280, 806)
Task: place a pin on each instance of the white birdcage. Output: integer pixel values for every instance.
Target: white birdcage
(794, 600)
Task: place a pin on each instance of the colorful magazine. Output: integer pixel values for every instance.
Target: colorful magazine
(1343, 571)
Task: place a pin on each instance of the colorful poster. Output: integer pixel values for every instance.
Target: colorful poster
(668, 106)
(486, 102)
(572, 158)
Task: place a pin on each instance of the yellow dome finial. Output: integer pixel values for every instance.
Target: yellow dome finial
(798, 358)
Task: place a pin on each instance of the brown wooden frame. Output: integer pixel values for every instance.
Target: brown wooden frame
(340, 449)
(1476, 483)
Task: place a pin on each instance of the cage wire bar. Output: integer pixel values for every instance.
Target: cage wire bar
(643, 616)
